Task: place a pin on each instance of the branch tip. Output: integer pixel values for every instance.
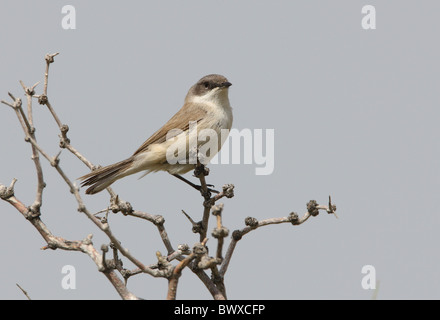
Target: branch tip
(251, 222)
(7, 192)
(50, 57)
(24, 291)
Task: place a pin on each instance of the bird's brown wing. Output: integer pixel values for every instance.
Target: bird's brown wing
(180, 120)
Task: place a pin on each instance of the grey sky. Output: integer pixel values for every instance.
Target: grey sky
(355, 115)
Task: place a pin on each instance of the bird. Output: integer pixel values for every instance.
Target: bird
(206, 106)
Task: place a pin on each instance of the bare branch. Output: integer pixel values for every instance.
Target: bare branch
(29, 91)
(228, 191)
(49, 59)
(177, 272)
(54, 242)
(220, 232)
(7, 192)
(24, 291)
(29, 132)
(252, 224)
(196, 226)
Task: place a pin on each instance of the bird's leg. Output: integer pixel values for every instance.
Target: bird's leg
(201, 169)
(195, 186)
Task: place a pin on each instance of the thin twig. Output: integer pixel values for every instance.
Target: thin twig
(177, 272)
(252, 224)
(29, 132)
(220, 232)
(49, 59)
(200, 172)
(24, 291)
(54, 242)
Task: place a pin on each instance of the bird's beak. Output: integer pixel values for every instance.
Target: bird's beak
(225, 84)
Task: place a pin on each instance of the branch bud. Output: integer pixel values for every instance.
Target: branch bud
(312, 208)
(294, 218)
(251, 222)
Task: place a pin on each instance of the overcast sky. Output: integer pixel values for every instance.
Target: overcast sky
(354, 114)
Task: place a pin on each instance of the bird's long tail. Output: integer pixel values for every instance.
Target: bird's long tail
(101, 178)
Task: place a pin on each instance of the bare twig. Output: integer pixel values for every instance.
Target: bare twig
(54, 242)
(181, 250)
(158, 221)
(177, 272)
(24, 291)
(49, 59)
(207, 281)
(228, 191)
(220, 232)
(54, 161)
(29, 91)
(29, 132)
(252, 224)
(196, 226)
(200, 172)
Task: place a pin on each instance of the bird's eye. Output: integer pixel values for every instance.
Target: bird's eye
(206, 85)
